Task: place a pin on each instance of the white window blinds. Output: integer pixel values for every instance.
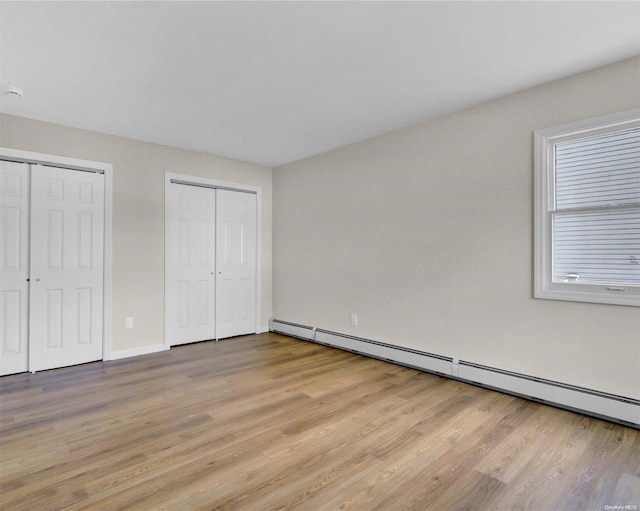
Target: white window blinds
(596, 219)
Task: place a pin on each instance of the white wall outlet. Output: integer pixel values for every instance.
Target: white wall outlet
(354, 319)
(128, 322)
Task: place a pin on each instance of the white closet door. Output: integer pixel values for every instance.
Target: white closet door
(236, 225)
(66, 291)
(191, 264)
(14, 271)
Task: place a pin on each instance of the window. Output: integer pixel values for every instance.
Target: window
(587, 210)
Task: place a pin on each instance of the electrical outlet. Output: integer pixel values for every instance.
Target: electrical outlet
(128, 322)
(354, 319)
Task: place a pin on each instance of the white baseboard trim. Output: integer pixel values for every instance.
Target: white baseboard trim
(620, 409)
(145, 350)
(134, 352)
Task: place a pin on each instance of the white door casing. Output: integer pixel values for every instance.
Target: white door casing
(236, 263)
(66, 283)
(14, 267)
(190, 285)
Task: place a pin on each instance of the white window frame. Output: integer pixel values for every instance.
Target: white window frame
(544, 204)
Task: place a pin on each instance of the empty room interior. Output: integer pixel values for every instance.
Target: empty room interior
(320, 255)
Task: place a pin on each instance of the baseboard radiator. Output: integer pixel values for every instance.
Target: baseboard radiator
(611, 407)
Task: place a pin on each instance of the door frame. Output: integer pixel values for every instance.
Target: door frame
(34, 158)
(185, 179)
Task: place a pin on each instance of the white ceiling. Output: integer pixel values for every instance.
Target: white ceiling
(273, 82)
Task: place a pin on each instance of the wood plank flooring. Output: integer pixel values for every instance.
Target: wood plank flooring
(266, 422)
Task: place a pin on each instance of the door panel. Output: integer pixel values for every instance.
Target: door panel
(236, 229)
(14, 270)
(190, 312)
(67, 240)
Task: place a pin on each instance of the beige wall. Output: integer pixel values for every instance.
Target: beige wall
(426, 233)
(138, 214)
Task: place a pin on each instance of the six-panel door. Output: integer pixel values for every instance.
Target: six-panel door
(236, 254)
(66, 287)
(14, 267)
(211, 263)
(51, 267)
(191, 259)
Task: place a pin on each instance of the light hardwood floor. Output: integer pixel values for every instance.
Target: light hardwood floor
(267, 422)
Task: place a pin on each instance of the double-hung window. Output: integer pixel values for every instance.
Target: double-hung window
(587, 210)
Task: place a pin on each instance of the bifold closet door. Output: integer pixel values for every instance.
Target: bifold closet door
(66, 267)
(191, 261)
(236, 259)
(52, 233)
(14, 267)
(211, 263)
